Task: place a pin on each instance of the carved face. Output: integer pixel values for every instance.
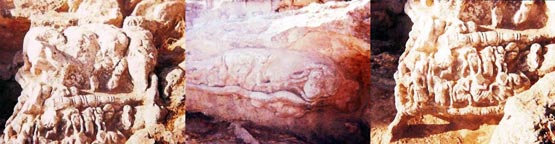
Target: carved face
(108, 111)
(76, 120)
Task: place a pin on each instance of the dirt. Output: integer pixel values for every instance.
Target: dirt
(205, 129)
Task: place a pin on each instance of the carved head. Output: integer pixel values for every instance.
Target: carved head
(320, 83)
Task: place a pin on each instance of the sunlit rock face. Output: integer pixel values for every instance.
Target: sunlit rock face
(165, 20)
(77, 86)
(528, 115)
(93, 71)
(303, 71)
(466, 59)
(68, 13)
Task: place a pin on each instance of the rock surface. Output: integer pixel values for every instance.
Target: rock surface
(529, 115)
(165, 20)
(76, 86)
(463, 60)
(87, 76)
(68, 13)
(292, 69)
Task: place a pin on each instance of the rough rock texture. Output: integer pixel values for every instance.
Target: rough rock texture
(165, 20)
(303, 71)
(77, 87)
(529, 115)
(86, 79)
(68, 13)
(390, 29)
(464, 59)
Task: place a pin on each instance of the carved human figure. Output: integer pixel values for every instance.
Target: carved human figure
(309, 77)
(419, 83)
(49, 118)
(127, 117)
(441, 91)
(488, 61)
(109, 112)
(144, 55)
(475, 66)
(500, 60)
(88, 118)
(533, 58)
(99, 119)
(67, 116)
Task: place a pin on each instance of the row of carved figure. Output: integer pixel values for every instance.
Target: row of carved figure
(474, 77)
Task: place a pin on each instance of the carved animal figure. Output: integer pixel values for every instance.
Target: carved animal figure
(489, 69)
(269, 75)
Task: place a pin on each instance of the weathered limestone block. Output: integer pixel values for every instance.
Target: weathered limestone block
(282, 29)
(349, 52)
(529, 115)
(339, 30)
(466, 62)
(286, 71)
(62, 14)
(100, 57)
(167, 12)
(284, 92)
(259, 75)
(166, 21)
(87, 84)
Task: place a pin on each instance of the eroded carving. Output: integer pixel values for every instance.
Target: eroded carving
(290, 70)
(78, 80)
(462, 67)
(251, 73)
